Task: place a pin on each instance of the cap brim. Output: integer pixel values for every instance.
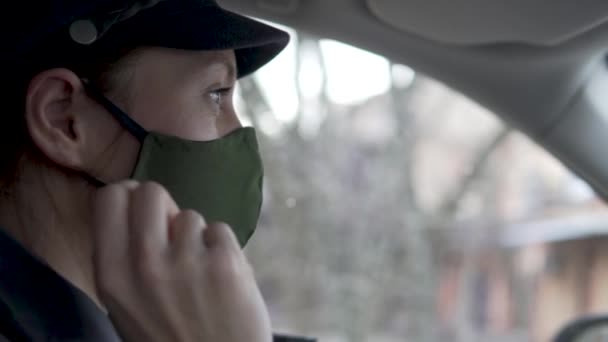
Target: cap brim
(201, 27)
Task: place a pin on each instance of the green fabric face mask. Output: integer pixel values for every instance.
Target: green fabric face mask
(221, 179)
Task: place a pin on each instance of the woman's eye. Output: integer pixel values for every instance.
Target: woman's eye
(217, 96)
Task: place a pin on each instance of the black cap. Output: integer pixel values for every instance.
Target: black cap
(57, 29)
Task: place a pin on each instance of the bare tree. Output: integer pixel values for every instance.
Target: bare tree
(366, 262)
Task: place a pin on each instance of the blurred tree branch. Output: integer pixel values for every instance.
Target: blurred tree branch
(405, 143)
(449, 207)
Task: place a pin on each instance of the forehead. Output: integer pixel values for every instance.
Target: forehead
(186, 62)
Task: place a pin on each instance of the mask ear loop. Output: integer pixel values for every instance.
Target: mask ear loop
(125, 120)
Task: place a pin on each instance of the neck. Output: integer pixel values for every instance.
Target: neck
(53, 225)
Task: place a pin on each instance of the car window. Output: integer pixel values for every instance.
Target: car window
(397, 209)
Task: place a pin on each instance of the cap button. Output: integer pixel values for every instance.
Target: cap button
(84, 32)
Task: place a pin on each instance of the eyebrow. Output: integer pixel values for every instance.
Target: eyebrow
(224, 64)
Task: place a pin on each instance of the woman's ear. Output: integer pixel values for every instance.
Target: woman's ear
(53, 107)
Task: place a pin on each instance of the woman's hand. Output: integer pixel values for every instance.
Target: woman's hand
(164, 274)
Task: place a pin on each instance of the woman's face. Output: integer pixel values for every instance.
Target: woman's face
(188, 94)
(184, 93)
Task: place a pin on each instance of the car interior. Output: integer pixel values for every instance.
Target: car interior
(539, 65)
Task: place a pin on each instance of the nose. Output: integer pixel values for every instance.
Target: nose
(228, 122)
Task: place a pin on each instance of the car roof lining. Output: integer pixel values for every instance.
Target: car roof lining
(530, 87)
(476, 22)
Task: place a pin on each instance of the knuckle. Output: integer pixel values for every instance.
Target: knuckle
(183, 234)
(187, 224)
(109, 190)
(153, 189)
(221, 234)
(190, 215)
(182, 227)
(130, 184)
(123, 186)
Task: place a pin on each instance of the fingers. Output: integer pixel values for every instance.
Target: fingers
(186, 231)
(110, 220)
(225, 264)
(151, 212)
(139, 222)
(220, 236)
(166, 277)
(146, 217)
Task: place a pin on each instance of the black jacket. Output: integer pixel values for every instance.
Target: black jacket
(37, 304)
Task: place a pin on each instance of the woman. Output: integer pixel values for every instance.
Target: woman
(120, 147)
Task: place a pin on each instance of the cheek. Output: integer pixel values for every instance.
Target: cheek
(193, 125)
(116, 157)
(124, 158)
(109, 150)
(229, 120)
(187, 117)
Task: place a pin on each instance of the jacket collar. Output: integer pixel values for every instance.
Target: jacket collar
(43, 304)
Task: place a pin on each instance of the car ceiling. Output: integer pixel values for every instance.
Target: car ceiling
(540, 65)
(476, 22)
